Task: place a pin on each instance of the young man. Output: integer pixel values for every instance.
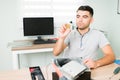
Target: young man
(83, 41)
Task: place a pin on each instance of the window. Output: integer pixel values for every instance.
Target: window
(62, 10)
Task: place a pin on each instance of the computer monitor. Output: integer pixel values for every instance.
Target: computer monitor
(38, 26)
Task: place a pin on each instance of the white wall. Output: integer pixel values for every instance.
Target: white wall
(106, 18)
(8, 25)
(114, 28)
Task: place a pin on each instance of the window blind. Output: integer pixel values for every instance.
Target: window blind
(62, 10)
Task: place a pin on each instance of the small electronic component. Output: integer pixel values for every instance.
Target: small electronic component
(116, 71)
(68, 26)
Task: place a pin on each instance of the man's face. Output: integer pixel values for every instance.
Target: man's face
(83, 19)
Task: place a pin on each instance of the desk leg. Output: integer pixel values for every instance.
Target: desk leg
(15, 58)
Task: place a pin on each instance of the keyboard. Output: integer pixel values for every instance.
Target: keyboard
(21, 43)
(48, 41)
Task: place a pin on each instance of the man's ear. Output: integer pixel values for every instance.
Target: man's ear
(92, 20)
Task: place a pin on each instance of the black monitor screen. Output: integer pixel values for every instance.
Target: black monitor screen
(35, 26)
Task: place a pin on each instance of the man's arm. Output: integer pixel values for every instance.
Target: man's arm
(108, 58)
(60, 45)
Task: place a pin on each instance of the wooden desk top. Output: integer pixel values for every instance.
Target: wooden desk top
(101, 73)
(34, 46)
(22, 74)
(105, 72)
(23, 45)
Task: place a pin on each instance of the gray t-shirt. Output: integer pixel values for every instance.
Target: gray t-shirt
(86, 45)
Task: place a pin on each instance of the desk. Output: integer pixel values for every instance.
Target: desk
(16, 51)
(105, 72)
(101, 73)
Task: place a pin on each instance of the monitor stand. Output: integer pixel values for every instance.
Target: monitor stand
(39, 40)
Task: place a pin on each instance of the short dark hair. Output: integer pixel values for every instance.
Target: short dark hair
(86, 8)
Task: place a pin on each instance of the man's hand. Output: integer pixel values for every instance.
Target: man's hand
(64, 31)
(91, 63)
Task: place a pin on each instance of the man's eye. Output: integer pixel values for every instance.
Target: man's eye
(85, 16)
(77, 16)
